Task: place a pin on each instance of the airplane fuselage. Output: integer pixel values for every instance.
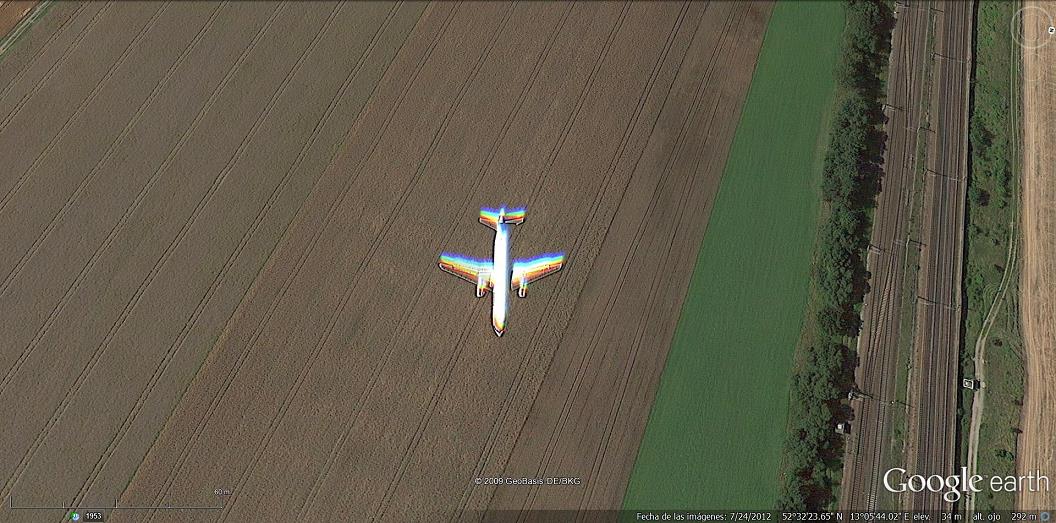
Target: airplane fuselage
(501, 275)
(501, 278)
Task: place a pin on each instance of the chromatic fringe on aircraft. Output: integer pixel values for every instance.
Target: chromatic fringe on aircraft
(498, 275)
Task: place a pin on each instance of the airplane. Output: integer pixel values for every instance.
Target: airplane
(498, 275)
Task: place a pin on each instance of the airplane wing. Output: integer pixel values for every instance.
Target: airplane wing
(477, 272)
(532, 269)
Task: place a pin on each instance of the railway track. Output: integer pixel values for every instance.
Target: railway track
(933, 422)
(878, 345)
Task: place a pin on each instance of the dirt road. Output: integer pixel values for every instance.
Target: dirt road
(224, 223)
(1038, 285)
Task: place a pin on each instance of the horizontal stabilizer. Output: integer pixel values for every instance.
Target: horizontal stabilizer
(493, 217)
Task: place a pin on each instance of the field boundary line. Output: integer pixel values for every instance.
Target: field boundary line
(130, 209)
(287, 284)
(655, 287)
(55, 220)
(10, 375)
(489, 448)
(47, 75)
(336, 447)
(486, 453)
(181, 235)
(7, 43)
(324, 338)
(193, 319)
(621, 278)
(548, 451)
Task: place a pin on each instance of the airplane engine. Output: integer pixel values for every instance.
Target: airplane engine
(522, 289)
(480, 288)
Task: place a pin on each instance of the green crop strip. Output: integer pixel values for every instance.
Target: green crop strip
(715, 432)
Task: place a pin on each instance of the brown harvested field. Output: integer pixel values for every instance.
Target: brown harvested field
(1038, 287)
(222, 223)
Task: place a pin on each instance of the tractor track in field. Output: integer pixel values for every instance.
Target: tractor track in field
(234, 274)
(134, 301)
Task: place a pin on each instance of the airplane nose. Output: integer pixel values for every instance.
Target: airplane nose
(499, 332)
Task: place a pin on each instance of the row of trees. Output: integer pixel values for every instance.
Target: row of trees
(851, 177)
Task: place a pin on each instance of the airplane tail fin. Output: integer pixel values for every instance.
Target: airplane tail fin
(493, 217)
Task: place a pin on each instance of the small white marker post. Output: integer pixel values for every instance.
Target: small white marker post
(1052, 29)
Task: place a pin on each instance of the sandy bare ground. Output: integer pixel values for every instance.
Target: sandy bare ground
(1038, 286)
(224, 221)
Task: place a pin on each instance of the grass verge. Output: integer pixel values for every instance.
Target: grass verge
(991, 275)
